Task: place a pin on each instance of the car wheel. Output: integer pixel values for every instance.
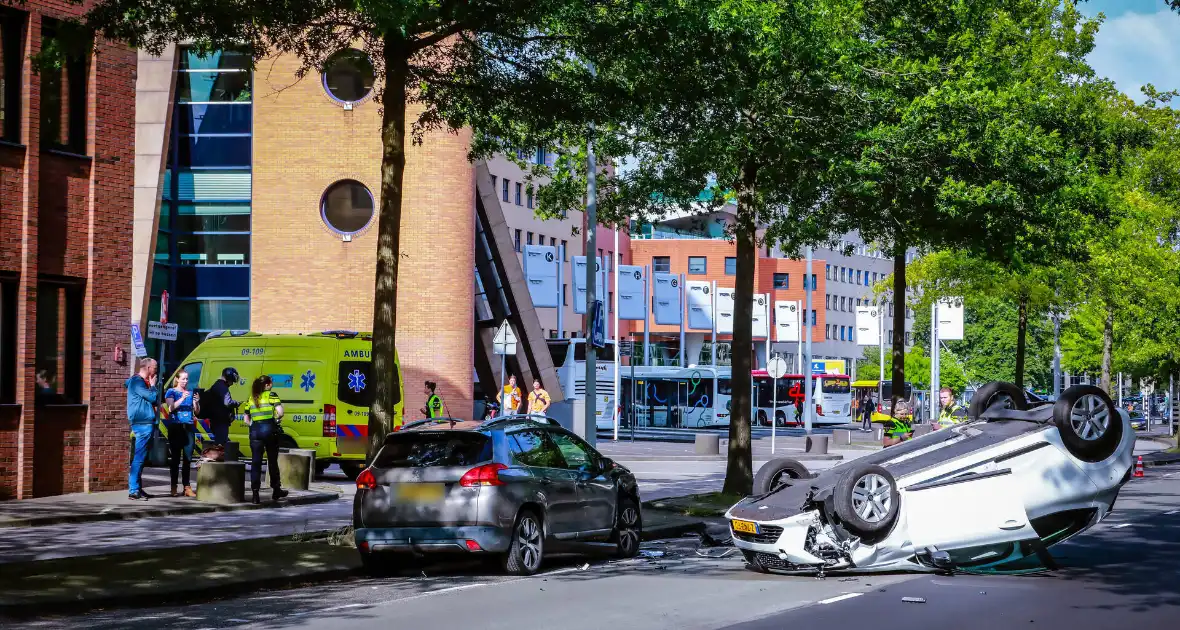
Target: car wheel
(762, 421)
(778, 472)
(528, 541)
(351, 469)
(866, 499)
(780, 418)
(996, 394)
(321, 467)
(1089, 425)
(378, 564)
(628, 529)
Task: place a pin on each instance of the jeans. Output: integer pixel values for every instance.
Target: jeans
(180, 451)
(143, 438)
(867, 422)
(220, 432)
(264, 436)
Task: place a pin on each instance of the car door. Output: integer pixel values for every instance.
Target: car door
(596, 489)
(534, 449)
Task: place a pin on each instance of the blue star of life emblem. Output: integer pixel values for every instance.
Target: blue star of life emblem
(356, 381)
(307, 381)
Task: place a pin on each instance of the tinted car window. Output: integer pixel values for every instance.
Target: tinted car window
(836, 386)
(577, 456)
(428, 449)
(534, 448)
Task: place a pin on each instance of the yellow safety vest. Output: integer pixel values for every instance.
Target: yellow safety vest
(950, 415)
(263, 409)
(434, 406)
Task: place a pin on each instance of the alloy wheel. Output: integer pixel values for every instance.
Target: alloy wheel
(1090, 417)
(872, 498)
(528, 534)
(628, 536)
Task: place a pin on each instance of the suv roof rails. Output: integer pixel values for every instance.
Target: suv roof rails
(521, 417)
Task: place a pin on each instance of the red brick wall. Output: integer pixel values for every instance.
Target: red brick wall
(70, 216)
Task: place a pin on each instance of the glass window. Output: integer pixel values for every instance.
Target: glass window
(194, 375)
(223, 60)
(782, 281)
(835, 386)
(827, 331)
(577, 455)
(529, 197)
(8, 325)
(661, 264)
(12, 24)
(504, 189)
(213, 249)
(347, 207)
(814, 282)
(841, 333)
(731, 265)
(552, 242)
(206, 315)
(842, 308)
(213, 151)
(697, 265)
(610, 301)
(564, 254)
(516, 241)
(828, 272)
(565, 300)
(59, 343)
(813, 320)
(213, 87)
(428, 449)
(63, 94)
(207, 118)
(518, 189)
(529, 241)
(858, 276)
(211, 217)
(355, 388)
(348, 75)
(534, 448)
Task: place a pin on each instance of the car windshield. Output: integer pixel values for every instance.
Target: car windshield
(428, 449)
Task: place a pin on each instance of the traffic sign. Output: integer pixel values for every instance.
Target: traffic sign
(505, 340)
(626, 347)
(161, 331)
(137, 342)
(777, 367)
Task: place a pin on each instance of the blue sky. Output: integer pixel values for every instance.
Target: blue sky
(1139, 43)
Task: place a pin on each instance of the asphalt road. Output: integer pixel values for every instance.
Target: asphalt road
(1120, 574)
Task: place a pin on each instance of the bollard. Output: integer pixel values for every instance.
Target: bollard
(307, 452)
(878, 434)
(221, 482)
(842, 436)
(295, 470)
(817, 444)
(708, 444)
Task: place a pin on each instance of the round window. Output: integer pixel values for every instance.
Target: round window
(347, 206)
(348, 75)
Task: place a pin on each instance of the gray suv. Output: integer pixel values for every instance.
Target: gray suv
(514, 487)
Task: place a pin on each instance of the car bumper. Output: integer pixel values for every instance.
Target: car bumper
(784, 539)
(423, 540)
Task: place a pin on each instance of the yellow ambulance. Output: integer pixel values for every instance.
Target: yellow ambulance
(322, 378)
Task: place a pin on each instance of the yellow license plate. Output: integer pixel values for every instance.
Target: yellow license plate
(746, 527)
(420, 491)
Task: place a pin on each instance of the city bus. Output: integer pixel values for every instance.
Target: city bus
(674, 397)
(831, 394)
(569, 359)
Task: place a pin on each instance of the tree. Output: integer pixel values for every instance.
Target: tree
(425, 52)
(917, 364)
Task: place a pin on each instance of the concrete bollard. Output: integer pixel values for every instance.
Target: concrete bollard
(221, 482)
(306, 452)
(708, 444)
(842, 436)
(922, 429)
(295, 470)
(817, 444)
(878, 434)
(233, 451)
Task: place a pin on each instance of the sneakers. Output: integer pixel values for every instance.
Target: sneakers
(138, 495)
(188, 491)
(255, 500)
(279, 493)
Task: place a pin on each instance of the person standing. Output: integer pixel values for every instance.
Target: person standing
(951, 413)
(510, 398)
(263, 414)
(866, 412)
(141, 413)
(539, 400)
(219, 407)
(900, 424)
(178, 420)
(434, 403)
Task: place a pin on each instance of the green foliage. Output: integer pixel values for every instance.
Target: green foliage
(917, 368)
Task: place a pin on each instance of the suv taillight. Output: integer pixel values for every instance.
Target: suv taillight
(366, 480)
(330, 421)
(486, 475)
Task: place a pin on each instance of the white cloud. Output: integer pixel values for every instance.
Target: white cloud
(1135, 49)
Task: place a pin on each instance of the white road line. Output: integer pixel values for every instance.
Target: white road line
(839, 598)
(344, 607)
(1122, 525)
(1171, 512)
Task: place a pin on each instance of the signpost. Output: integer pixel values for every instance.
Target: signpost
(137, 342)
(776, 368)
(504, 344)
(161, 331)
(627, 349)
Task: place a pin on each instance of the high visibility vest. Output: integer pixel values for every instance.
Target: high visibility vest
(951, 415)
(434, 406)
(263, 409)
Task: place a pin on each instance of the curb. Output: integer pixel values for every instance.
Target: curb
(311, 499)
(803, 457)
(672, 530)
(1171, 458)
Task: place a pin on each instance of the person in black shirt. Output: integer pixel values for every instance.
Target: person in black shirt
(219, 407)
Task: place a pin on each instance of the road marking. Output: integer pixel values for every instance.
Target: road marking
(344, 607)
(1122, 525)
(1171, 512)
(839, 598)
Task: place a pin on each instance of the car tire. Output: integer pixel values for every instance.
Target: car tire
(776, 472)
(527, 548)
(780, 419)
(866, 499)
(321, 468)
(1089, 425)
(628, 530)
(351, 469)
(762, 421)
(996, 392)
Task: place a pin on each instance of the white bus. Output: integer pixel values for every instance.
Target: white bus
(674, 397)
(569, 358)
(831, 394)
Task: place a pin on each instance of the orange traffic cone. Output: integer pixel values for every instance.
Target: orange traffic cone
(1139, 467)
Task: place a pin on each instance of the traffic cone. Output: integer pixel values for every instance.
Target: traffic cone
(1139, 467)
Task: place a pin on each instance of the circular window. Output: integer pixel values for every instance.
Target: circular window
(347, 207)
(348, 75)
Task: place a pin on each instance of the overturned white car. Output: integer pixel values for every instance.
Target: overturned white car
(989, 495)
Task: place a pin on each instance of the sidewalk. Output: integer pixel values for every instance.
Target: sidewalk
(626, 451)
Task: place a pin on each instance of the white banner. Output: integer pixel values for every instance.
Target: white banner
(666, 293)
(950, 319)
(631, 294)
(760, 326)
(540, 272)
(700, 304)
(786, 320)
(724, 311)
(579, 277)
(868, 325)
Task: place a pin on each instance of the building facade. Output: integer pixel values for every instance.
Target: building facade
(66, 180)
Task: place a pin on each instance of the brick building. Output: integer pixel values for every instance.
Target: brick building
(66, 176)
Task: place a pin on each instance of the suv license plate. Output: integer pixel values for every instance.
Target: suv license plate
(746, 527)
(420, 492)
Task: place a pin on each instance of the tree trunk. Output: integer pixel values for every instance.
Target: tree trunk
(739, 474)
(393, 165)
(898, 329)
(1107, 349)
(1021, 338)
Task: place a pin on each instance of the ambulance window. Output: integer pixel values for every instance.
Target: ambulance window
(356, 388)
(194, 375)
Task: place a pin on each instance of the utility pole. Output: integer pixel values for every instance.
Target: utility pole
(590, 428)
(808, 289)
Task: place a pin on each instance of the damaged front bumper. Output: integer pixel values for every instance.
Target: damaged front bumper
(798, 543)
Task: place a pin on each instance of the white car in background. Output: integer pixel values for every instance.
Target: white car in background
(989, 495)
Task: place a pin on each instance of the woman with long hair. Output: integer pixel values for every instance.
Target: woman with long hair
(264, 411)
(178, 420)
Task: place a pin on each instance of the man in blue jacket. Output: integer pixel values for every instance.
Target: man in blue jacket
(142, 397)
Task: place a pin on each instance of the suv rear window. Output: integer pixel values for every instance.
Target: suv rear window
(429, 449)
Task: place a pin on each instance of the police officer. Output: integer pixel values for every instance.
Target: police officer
(264, 411)
(900, 424)
(951, 413)
(434, 403)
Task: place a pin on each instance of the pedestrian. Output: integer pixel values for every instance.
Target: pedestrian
(951, 413)
(263, 414)
(218, 406)
(866, 412)
(900, 424)
(141, 412)
(510, 398)
(538, 399)
(178, 420)
(434, 403)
